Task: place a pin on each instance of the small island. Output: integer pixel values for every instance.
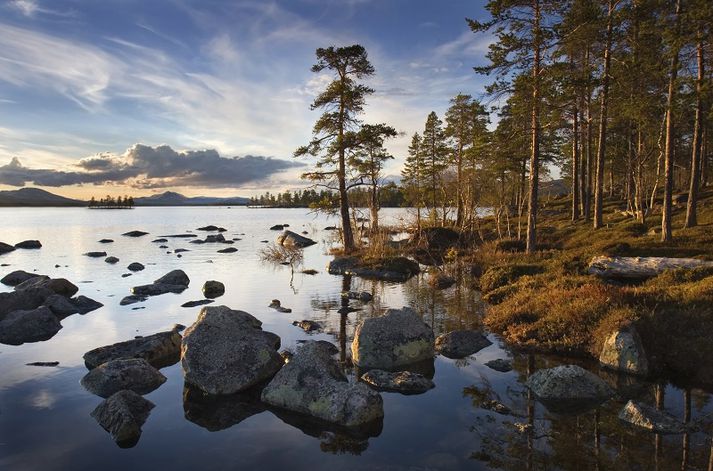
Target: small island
(109, 202)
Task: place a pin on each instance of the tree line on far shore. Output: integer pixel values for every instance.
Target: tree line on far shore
(126, 202)
(614, 93)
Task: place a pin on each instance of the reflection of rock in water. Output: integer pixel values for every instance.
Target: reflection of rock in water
(334, 438)
(122, 415)
(215, 413)
(426, 368)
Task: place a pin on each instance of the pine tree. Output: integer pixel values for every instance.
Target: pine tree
(435, 153)
(412, 175)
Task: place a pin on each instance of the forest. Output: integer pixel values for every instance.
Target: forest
(613, 97)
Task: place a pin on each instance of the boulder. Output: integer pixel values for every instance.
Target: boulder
(85, 304)
(122, 415)
(26, 299)
(214, 238)
(5, 248)
(175, 277)
(226, 351)
(649, 418)
(213, 289)
(404, 382)
(500, 365)
(313, 384)
(639, 268)
(60, 286)
(34, 325)
(228, 250)
(135, 266)
(292, 239)
(106, 241)
(161, 349)
(569, 389)
(175, 281)
(160, 241)
(60, 306)
(17, 277)
(200, 302)
(95, 254)
(181, 250)
(623, 351)
(111, 259)
(133, 374)
(211, 228)
(134, 233)
(461, 343)
(397, 269)
(277, 227)
(276, 305)
(363, 296)
(29, 244)
(397, 338)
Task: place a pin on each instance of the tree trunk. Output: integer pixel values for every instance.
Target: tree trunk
(459, 190)
(588, 138)
(666, 232)
(374, 206)
(535, 155)
(696, 146)
(601, 150)
(575, 163)
(347, 234)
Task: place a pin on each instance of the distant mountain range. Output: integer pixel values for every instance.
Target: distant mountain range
(37, 198)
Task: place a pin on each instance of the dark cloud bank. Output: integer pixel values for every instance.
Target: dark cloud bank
(151, 167)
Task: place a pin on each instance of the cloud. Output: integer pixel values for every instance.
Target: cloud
(143, 166)
(31, 8)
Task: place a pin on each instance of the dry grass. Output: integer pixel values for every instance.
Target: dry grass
(284, 255)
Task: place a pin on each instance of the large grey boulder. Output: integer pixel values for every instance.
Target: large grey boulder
(313, 384)
(35, 325)
(623, 351)
(396, 269)
(175, 281)
(134, 374)
(135, 266)
(569, 389)
(58, 285)
(85, 304)
(292, 239)
(405, 382)
(461, 343)
(161, 349)
(226, 351)
(397, 338)
(26, 299)
(649, 418)
(123, 415)
(135, 233)
(638, 268)
(17, 277)
(60, 306)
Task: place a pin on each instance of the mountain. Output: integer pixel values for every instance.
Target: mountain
(171, 198)
(35, 197)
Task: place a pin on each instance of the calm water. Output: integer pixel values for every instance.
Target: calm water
(44, 412)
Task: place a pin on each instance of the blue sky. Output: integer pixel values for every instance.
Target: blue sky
(82, 82)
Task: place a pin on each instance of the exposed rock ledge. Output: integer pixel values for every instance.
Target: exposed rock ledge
(637, 268)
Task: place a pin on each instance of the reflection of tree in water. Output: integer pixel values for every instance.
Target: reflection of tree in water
(534, 438)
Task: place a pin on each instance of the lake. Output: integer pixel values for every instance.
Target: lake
(44, 411)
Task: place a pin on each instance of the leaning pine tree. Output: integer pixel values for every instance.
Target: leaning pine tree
(342, 101)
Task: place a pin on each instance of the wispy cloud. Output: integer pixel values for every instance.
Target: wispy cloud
(32, 8)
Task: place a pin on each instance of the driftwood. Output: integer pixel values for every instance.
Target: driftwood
(640, 267)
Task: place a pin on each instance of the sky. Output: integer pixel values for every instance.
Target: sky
(209, 97)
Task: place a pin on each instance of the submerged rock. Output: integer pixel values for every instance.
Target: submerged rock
(175, 281)
(17, 277)
(95, 254)
(308, 325)
(397, 338)
(134, 374)
(228, 250)
(211, 228)
(122, 415)
(85, 304)
(132, 299)
(292, 239)
(34, 325)
(623, 351)
(213, 289)
(60, 306)
(461, 343)
(226, 351)
(649, 418)
(160, 240)
(569, 389)
(277, 227)
(313, 384)
(161, 349)
(200, 302)
(275, 304)
(404, 382)
(396, 269)
(111, 259)
(29, 244)
(135, 233)
(363, 296)
(500, 365)
(58, 285)
(106, 241)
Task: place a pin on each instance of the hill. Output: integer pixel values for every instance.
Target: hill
(35, 197)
